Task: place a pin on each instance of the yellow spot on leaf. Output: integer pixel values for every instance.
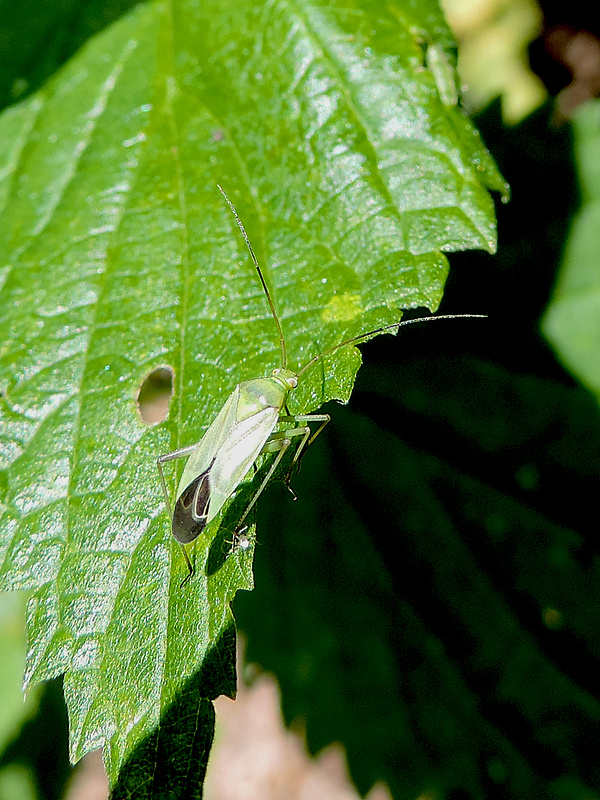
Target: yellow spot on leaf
(342, 308)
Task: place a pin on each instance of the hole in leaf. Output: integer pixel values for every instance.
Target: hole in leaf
(155, 395)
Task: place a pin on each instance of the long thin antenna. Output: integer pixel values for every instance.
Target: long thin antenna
(361, 337)
(260, 275)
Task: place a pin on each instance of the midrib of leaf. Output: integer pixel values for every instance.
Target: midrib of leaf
(166, 50)
(98, 109)
(167, 39)
(94, 115)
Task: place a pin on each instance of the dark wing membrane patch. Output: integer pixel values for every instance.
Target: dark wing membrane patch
(191, 508)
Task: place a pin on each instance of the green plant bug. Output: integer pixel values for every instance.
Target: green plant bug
(243, 430)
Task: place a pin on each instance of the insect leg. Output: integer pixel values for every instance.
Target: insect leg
(239, 541)
(306, 442)
(273, 443)
(279, 443)
(181, 453)
(283, 446)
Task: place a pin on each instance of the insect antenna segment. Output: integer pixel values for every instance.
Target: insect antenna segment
(364, 336)
(260, 275)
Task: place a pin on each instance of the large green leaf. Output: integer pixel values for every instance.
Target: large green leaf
(119, 256)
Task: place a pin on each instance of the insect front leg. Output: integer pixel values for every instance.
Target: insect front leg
(279, 443)
(181, 453)
(308, 439)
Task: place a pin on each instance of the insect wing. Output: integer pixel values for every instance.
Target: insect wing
(224, 455)
(204, 455)
(237, 454)
(193, 493)
(190, 513)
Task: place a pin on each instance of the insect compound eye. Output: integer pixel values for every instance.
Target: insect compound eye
(293, 382)
(276, 371)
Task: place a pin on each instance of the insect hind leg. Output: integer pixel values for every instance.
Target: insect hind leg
(279, 443)
(181, 453)
(280, 446)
